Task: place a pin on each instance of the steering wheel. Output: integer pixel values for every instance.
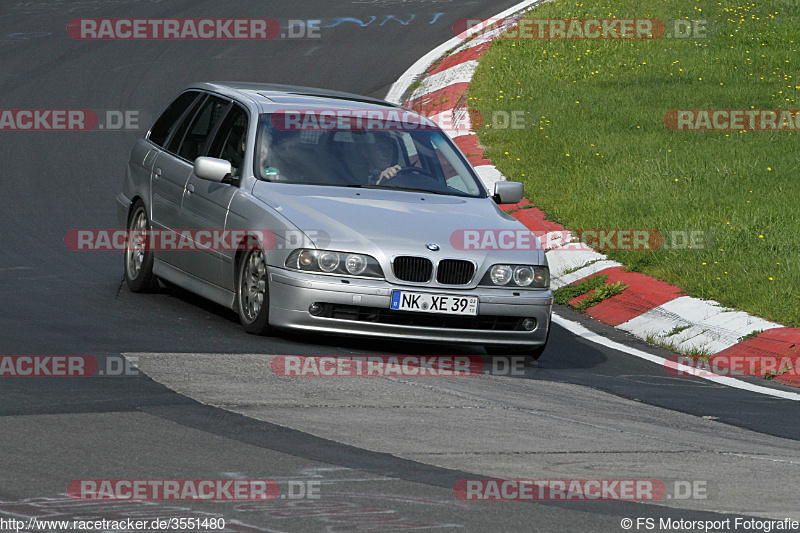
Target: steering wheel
(404, 178)
(413, 170)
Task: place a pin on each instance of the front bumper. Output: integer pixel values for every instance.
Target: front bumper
(364, 311)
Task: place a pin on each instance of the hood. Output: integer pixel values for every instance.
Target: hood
(382, 222)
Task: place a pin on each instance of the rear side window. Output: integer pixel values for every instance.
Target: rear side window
(171, 116)
(203, 124)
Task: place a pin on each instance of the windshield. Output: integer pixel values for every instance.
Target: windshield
(391, 158)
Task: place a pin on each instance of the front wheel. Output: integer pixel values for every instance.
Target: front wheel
(138, 259)
(252, 293)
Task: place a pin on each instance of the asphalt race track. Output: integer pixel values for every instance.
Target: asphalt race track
(385, 453)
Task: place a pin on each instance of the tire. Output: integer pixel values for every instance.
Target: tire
(252, 292)
(138, 259)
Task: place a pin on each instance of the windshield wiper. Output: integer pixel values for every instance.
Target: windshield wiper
(390, 188)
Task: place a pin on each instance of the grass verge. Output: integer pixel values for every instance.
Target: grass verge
(595, 152)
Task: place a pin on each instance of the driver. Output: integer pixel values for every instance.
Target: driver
(380, 156)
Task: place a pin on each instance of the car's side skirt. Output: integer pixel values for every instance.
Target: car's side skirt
(194, 284)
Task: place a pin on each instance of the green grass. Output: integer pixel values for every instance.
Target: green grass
(701, 353)
(596, 152)
(563, 295)
(599, 294)
(750, 335)
(596, 289)
(676, 330)
(578, 267)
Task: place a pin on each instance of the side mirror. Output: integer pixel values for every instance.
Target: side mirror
(212, 169)
(508, 192)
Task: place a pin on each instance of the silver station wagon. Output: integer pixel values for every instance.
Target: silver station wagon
(330, 212)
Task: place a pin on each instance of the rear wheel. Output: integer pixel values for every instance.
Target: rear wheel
(252, 293)
(138, 259)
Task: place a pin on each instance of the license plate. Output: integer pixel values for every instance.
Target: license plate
(434, 303)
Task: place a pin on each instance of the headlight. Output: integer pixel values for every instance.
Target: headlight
(541, 276)
(306, 258)
(355, 264)
(517, 276)
(523, 276)
(500, 274)
(330, 262)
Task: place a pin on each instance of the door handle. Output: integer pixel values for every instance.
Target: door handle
(189, 189)
(157, 174)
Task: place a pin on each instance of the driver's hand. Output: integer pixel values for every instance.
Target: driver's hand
(388, 174)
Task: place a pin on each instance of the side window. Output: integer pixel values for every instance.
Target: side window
(201, 127)
(444, 162)
(180, 129)
(228, 143)
(453, 168)
(411, 151)
(170, 118)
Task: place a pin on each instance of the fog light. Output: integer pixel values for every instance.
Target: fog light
(315, 309)
(529, 324)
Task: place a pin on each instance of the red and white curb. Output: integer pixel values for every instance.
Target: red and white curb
(648, 308)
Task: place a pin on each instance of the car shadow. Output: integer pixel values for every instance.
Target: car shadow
(565, 351)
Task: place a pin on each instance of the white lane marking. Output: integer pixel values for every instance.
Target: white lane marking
(565, 279)
(454, 122)
(582, 331)
(489, 175)
(707, 325)
(461, 73)
(399, 87)
(563, 260)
